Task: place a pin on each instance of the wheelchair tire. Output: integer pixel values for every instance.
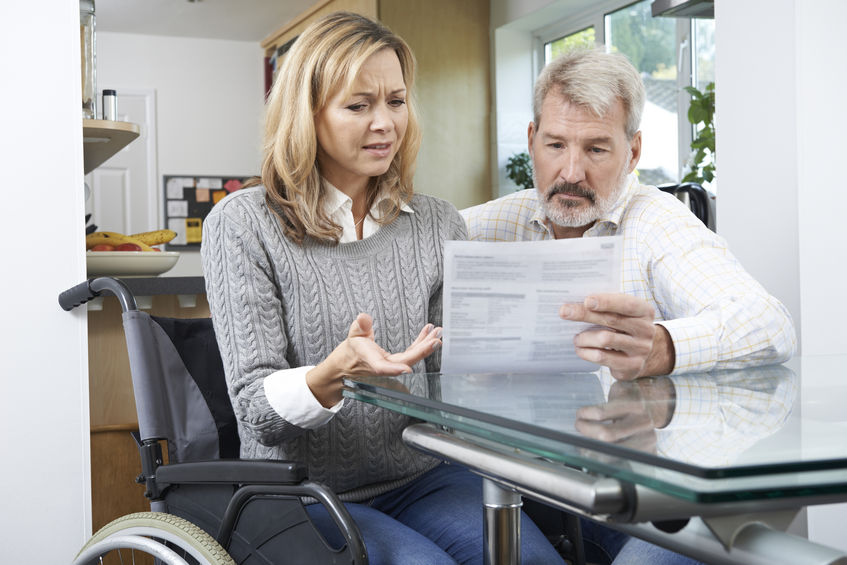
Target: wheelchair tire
(190, 543)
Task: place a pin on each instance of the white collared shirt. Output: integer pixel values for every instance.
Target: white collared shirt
(339, 208)
(286, 390)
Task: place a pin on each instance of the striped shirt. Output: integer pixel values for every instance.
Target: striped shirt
(717, 315)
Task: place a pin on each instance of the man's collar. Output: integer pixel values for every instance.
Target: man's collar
(615, 215)
(538, 218)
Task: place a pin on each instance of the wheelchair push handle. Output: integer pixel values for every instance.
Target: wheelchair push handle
(85, 291)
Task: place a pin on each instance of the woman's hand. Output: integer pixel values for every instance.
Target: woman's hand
(359, 354)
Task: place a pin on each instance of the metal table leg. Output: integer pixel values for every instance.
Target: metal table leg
(502, 523)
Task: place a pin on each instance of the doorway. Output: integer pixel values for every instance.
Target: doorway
(124, 191)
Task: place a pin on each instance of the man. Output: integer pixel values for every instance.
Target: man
(686, 304)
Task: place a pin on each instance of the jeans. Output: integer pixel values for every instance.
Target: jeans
(604, 545)
(435, 519)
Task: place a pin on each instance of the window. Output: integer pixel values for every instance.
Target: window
(671, 53)
(703, 32)
(583, 38)
(650, 43)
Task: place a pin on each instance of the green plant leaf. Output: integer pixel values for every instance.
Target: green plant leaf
(519, 169)
(701, 110)
(696, 113)
(693, 91)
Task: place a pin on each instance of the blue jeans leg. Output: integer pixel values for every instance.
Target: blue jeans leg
(388, 542)
(601, 543)
(443, 505)
(605, 545)
(636, 551)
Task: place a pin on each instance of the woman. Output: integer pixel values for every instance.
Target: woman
(322, 271)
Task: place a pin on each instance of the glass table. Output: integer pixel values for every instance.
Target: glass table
(715, 465)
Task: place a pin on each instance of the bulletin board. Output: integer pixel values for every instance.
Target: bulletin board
(188, 200)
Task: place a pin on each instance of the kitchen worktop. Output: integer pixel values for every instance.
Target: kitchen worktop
(156, 286)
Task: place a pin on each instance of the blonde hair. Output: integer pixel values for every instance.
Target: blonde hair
(594, 79)
(325, 58)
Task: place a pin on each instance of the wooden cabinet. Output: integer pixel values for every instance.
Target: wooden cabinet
(450, 40)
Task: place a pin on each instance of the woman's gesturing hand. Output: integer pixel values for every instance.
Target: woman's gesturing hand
(359, 354)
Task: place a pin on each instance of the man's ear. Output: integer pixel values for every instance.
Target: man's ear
(635, 148)
(530, 135)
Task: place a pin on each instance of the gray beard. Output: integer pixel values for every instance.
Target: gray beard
(578, 214)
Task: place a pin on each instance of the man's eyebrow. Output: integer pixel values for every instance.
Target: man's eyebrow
(600, 139)
(548, 135)
(597, 139)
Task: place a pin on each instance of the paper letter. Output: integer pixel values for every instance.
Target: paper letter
(501, 302)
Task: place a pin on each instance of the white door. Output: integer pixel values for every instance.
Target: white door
(124, 190)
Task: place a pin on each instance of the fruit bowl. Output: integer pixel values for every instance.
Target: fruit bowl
(130, 263)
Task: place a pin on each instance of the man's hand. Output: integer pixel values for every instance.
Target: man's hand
(630, 344)
(632, 414)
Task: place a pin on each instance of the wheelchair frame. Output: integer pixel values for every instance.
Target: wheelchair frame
(234, 486)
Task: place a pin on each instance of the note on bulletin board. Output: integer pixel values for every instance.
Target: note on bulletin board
(188, 199)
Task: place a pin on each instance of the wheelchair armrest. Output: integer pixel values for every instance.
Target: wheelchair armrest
(232, 471)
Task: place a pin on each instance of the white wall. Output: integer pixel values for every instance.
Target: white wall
(780, 124)
(821, 197)
(209, 98)
(44, 481)
(512, 78)
(787, 177)
(756, 126)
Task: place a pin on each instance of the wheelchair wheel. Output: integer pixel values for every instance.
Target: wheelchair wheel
(168, 538)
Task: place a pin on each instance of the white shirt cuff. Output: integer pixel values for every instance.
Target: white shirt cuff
(290, 396)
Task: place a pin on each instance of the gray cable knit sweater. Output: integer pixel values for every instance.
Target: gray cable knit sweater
(276, 305)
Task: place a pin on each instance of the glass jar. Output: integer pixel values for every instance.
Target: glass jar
(87, 53)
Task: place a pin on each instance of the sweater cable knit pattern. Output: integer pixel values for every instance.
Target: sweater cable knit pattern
(277, 305)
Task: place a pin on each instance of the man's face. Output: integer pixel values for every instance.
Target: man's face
(580, 162)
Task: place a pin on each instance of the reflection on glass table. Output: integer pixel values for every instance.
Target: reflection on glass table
(704, 437)
(730, 457)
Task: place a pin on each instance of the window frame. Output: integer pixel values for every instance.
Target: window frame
(596, 16)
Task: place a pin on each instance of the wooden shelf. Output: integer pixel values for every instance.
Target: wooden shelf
(103, 138)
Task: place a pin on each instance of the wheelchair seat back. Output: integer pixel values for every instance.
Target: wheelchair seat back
(179, 385)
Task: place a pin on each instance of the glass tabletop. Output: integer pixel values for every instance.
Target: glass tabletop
(773, 431)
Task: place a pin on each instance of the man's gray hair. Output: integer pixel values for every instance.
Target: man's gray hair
(594, 79)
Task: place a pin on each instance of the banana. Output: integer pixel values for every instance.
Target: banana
(155, 237)
(113, 238)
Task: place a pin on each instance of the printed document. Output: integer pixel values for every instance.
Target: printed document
(502, 299)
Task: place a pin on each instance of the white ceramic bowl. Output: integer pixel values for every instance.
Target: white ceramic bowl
(130, 263)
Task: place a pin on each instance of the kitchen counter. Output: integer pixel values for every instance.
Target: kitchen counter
(155, 286)
(185, 289)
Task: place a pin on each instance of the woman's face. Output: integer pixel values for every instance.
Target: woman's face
(360, 133)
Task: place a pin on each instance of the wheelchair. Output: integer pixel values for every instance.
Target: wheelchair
(697, 198)
(207, 506)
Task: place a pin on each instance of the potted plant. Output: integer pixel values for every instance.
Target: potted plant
(519, 170)
(703, 157)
